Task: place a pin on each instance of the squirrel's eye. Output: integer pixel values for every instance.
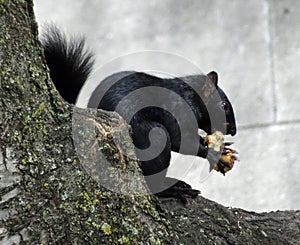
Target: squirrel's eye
(224, 105)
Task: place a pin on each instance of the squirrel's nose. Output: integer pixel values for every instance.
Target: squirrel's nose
(232, 131)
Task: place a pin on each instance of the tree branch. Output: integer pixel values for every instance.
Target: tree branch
(56, 187)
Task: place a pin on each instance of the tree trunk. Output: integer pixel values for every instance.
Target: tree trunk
(52, 188)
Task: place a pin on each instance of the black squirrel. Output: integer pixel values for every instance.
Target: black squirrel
(70, 65)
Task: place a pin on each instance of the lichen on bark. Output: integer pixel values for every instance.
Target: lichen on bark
(55, 200)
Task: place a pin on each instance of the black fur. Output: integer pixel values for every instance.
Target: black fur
(69, 63)
(69, 68)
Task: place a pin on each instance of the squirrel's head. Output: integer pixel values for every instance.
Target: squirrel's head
(220, 110)
(215, 110)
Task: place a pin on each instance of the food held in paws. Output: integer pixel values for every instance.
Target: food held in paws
(228, 155)
(214, 140)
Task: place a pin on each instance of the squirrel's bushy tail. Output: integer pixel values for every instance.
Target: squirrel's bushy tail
(69, 62)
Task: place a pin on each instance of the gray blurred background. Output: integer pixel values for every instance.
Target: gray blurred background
(255, 48)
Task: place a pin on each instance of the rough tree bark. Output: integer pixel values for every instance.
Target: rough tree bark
(49, 197)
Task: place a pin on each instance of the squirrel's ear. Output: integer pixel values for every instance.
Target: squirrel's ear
(213, 77)
(210, 84)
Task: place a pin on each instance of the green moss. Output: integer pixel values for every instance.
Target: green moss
(41, 108)
(19, 84)
(106, 228)
(124, 240)
(123, 208)
(85, 195)
(154, 241)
